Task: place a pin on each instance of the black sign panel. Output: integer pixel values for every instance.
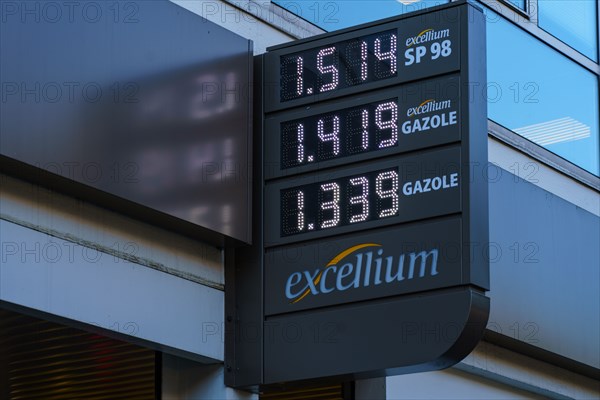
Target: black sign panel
(388, 336)
(373, 203)
(403, 118)
(379, 263)
(362, 58)
(367, 195)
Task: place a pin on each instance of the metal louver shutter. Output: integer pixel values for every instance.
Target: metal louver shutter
(45, 360)
(332, 392)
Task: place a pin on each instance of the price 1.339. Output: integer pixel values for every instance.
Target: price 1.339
(340, 202)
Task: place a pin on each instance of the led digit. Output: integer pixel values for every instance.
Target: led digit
(300, 143)
(389, 55)
(356, 131)
(388, 190)
(328, 69)
(364, 119)
(357, 55)
(391, 123)
(362, 198)
(333, 204)
(363, 60)
(300, 198)
(299, 79)
(332, 136)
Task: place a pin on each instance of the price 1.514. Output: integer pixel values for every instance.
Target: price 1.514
(344, 64)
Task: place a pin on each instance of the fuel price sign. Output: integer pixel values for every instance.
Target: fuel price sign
(383, 192)
(389, 121)
(359, 59)
(372, 197)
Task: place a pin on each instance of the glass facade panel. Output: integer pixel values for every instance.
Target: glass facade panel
(332, 15)
(575, 22)
(541, 95)
(517, 3)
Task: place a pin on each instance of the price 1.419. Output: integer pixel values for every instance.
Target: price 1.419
(349, 131)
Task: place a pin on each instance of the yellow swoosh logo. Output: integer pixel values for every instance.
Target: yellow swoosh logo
(307, 291)
(420, 105)
(425, 102)
(334, 261)
(352, 249)
(422, 33)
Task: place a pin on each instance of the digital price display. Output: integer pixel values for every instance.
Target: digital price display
(348, 63)
(349, 131)
(340, 202)
(389, 121)
(361, 60)
(352, 198)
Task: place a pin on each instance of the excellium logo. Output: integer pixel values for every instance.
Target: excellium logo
(427, 36)
(357, 267)
(422, 122)
(428, 106)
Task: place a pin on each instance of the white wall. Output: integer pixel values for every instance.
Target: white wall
(493, 372)
(188, 380)
(75, 260)
(450, 384)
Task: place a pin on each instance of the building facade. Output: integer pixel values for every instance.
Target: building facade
(111, 301)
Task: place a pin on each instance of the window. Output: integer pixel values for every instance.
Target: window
(518, 3)
(332, 15)
(541, 95)
(575, 22)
